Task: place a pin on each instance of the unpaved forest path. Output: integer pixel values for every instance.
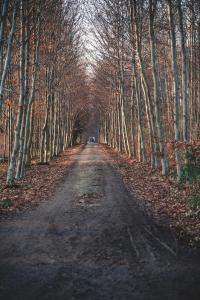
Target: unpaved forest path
(92, 241)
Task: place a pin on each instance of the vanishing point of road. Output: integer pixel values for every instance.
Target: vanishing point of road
(93, 241)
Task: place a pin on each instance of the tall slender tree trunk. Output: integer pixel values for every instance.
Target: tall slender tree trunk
(45, 134)
(4, 12)
(175, 87)
(8, 52)
(157, 100)
(135, 89)
(19, 171)
(28, 120)
(13, 160)
(145, 88)
(185, 75)
(141, 144)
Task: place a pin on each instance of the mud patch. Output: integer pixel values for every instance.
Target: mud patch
(89, 199)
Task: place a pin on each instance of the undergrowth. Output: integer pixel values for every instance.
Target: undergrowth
(6, 203)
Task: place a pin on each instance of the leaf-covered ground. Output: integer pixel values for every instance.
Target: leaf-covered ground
(163, 197)
(40, 181)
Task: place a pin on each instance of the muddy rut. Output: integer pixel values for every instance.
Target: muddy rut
(92, 241)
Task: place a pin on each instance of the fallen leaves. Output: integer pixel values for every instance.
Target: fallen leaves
(163, 198)
(38, 184)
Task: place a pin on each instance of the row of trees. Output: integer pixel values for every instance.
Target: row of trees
(42, 79)
(147, 77)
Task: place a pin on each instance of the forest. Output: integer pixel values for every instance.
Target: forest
(149, 64)
(100, 149)
(145, 80)
(42, 80)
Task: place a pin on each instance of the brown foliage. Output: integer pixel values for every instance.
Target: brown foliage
(163, 198)
(39, 183)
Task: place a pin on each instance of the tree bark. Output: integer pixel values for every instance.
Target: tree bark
(8, 52)
(13, 160)
(157, 100)
(185, 75)
(175, 88)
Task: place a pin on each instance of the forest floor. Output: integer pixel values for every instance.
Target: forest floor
(165, 199)
(38, 184)
(93, 239)
(161, 196)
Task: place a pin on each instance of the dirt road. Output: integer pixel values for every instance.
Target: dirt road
(92, 241)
